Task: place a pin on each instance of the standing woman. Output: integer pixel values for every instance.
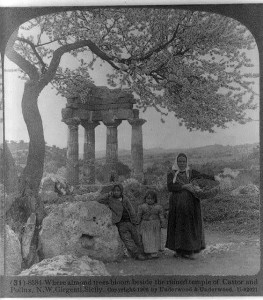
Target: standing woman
(185, 232)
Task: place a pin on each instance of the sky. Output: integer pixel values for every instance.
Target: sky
(155, 133)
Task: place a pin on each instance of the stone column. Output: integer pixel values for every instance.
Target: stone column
(137, 148)
(112, 149)
(89, 151)
(72, 172)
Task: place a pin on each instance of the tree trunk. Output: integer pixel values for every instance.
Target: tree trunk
(28, 201)
(33, 172)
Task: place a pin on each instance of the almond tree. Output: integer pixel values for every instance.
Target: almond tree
(193, 64)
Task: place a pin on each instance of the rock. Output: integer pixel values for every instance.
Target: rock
(230, 173)
(87, 197)
(106, 188)
(249, 189)
(9, 200)
(226, 183)
(28, 235)
(48, 183)
(68, 265)
(87, 188)
(55, 183)
(50, 207)
(49, 197)
(235, 192)
(13, 257)
(62, 188)
(218, 248)
(81, 228)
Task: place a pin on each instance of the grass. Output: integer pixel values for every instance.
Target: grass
(238, 214)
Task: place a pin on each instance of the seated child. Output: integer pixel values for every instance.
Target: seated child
(151, 218)
(124, 217)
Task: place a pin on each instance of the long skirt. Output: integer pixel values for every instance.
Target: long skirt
(151, 235)
(185, 232)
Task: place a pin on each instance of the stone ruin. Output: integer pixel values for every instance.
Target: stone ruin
(110, 107)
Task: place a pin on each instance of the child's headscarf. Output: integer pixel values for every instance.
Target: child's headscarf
(176, 168)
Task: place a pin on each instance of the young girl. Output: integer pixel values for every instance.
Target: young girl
(151, 219)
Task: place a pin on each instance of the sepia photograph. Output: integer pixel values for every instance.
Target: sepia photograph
(130, 150)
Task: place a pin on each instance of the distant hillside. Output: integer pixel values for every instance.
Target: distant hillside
(206, 153)
(102, 153)
(19, 152)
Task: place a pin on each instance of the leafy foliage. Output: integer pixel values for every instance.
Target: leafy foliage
(122, 169)
(194, 64)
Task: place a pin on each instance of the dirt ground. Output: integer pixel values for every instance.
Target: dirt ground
(225, 254)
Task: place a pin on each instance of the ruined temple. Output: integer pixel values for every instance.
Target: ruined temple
(110, 107)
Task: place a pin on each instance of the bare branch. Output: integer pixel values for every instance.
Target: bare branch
(33, 47)
(84, 17)
(41, 32)
(50, 42)
(49, 75)
(15, 57)
(124, 40)
(161, 47)
(108, 29)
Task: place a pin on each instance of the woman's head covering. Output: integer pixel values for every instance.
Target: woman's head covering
(119, 185)
(176, 168)
(151, 193)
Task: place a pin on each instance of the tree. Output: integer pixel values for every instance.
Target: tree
(190, 63)
(122, 169)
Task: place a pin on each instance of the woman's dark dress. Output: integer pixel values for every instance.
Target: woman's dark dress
(185, 232)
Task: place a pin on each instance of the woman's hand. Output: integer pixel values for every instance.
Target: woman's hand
(189, 187)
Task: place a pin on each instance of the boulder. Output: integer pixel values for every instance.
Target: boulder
(106, 188)
(27, 235)
(87, 197)
(9, 200)
(225, 184)
(49, 197)
(88, 188)
(249, 189)
(81, 228)
(48, 183)
(55, 183)
(68, 265)
(12, 254)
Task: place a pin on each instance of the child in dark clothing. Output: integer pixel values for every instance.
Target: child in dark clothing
(124, 217)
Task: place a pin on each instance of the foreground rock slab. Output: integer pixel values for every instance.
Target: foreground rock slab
(68, 265)
(12, 254)
(249, 189)
(82, 229)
